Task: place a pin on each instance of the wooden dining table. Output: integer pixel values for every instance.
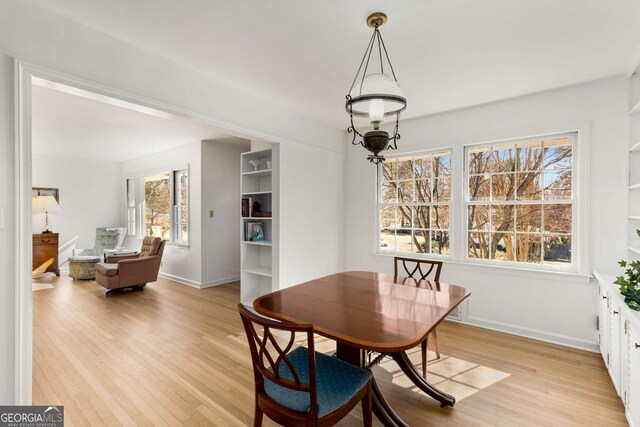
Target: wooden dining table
(368, 311)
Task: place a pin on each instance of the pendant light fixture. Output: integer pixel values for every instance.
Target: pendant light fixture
(375, 94)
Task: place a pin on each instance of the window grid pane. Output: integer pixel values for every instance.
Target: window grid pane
(180, 206)
(414, 198)
(158, 206)
(520, 201)
(157, 201)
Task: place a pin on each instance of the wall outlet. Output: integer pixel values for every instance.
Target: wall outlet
(211, 213)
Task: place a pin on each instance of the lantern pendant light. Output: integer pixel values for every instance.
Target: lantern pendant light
(376, 95)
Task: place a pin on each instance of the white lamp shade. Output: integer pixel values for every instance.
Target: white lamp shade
(44, 204)
(377, 84)
(381, 84)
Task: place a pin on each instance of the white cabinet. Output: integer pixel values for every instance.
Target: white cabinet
(615, 347)
(603, 324)
(619, 334)
(633, 391)
(259, 224)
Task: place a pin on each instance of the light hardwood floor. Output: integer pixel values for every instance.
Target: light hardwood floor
(173, 355)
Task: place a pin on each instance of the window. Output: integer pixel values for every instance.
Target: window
(157, 206)
(180, 206)
(414, 201)
(166, 206)
(131, 207)
(520, 202)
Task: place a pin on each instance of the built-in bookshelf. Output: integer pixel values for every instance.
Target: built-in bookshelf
(633, 194)
(258, 230)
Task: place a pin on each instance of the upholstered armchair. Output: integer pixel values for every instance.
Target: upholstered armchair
(106, 238)
(132, 271)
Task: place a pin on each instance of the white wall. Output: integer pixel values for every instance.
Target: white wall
(553, 307)
(181, 263)
(33, 34)
(220, 193)
(7, 234)
(312, 214)
(89, 196)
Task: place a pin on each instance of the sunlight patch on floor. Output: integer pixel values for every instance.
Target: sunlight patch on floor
(42, 281)
(454, 376)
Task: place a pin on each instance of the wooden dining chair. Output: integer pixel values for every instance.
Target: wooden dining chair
(301, 387)
(420, 269)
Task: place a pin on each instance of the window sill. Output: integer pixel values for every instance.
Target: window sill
(179, 245)
(556, 275)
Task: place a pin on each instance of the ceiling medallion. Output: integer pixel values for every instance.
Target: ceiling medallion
(375, 95)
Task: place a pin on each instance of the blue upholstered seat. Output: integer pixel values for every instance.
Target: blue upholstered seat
(336, 382)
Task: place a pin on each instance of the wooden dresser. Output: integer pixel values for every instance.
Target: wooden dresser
(45, 253)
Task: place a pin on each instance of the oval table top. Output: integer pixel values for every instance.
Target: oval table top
(366, 309)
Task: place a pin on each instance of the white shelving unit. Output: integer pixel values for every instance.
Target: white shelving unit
(633, 194)
(258, 183)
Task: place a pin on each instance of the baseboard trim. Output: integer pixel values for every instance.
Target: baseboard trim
(222, 281)
(180, 280)
(198, 285)
(535, 334)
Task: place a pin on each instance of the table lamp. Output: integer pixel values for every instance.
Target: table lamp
(45, 204)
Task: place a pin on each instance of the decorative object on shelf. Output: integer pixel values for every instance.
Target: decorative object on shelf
(257, 232)
(253, 229)
(255, 163)
(45, 204)
(269, 164)
(262, 214)
(255, 208)
(630, 285)
(375, 96)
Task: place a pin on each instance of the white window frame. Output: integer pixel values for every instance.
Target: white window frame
(138, 181)
(175, 210)
(576, 236)
(131, 192)
(378, 205)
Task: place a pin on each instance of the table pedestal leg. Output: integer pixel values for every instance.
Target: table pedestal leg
(410, 371)
(381, 407)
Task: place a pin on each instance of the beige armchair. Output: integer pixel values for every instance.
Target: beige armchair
(132, 271)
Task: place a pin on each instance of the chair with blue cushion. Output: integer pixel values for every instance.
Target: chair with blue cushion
(300, 387)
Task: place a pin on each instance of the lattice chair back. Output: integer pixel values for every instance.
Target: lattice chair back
(418, 269)
(273, 368)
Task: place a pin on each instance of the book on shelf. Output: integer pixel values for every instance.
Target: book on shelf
(245, 207)
(257, 232)
(253, 231)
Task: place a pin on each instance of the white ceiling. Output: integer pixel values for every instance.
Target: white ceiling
(447, 54)
(76, 126)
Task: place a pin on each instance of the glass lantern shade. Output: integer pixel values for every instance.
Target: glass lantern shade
(375, 95)
(379, 96)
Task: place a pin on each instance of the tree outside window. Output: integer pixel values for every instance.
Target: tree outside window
(414, 200)
(520, 201)
(157, 201)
